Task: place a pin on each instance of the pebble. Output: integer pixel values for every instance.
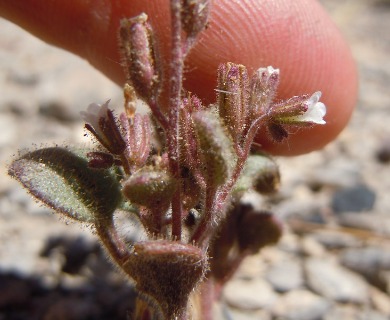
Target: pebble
(385, 275)
(375, 222)
(285, 275)
(336, 240)
(312, 247)
(369, 262)
(250, 268)
(249, 294)
(334, 282)
(57, 111)
(236, 314)
(337, 174)
(380, 301)
(9, 130)
(300, 305)
(383, 152)
(348, 312)
(354, 199)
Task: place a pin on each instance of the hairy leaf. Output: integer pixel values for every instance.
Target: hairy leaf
(62, 180)
(215, 147)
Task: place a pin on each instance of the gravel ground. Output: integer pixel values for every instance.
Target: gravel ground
(333, 261)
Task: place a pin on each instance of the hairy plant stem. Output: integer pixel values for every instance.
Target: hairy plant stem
(113, 242)
(175, 87)
(125, 164)
(201, 233)
(154, 107)
(207, 298)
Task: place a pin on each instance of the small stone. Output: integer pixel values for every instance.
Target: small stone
(338, 174)
(354, 199)
(9, 130)
(349, 312)
(236, 314)
(285, 275)
(250, 268)
(385, 275)
(312, 247)
(249, 294)
(336, 240)
(335, 282)
(383, 152)
(58, 111)
(375, 222)
(368, 262)
(300, 305)
(380, 301)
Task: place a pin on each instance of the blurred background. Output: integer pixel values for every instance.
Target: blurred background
(333, 261)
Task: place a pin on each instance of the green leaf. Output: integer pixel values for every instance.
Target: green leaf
(215, 147)
(62, 180)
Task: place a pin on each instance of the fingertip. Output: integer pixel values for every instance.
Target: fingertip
(297, 37)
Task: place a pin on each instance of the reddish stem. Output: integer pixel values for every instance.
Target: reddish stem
(175, 87)
(202, 232)
(207, 298)
(114, 244)
(157, 113)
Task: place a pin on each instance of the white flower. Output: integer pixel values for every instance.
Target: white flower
(93, 115)
(101, 122)
(316, 110)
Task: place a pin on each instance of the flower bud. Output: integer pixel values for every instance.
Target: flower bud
(149, 187)
(138, 53)
(276, 131)
(100, 160)
(137, 131)
(261, 174)
(155, 264)
(194, 15)
(232, 95)
(264, 83)
(215, 148)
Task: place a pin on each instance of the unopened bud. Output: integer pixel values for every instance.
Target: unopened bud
(149, 187)
(138, 138)
(139, 56)
(261, 174)
(194, 15)
(232, 95)
(277, 132)
(264, 83)
(100, 160)
(155, 264)
(215, 147)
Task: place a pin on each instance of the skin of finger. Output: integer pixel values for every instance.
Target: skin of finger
(297, 37)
